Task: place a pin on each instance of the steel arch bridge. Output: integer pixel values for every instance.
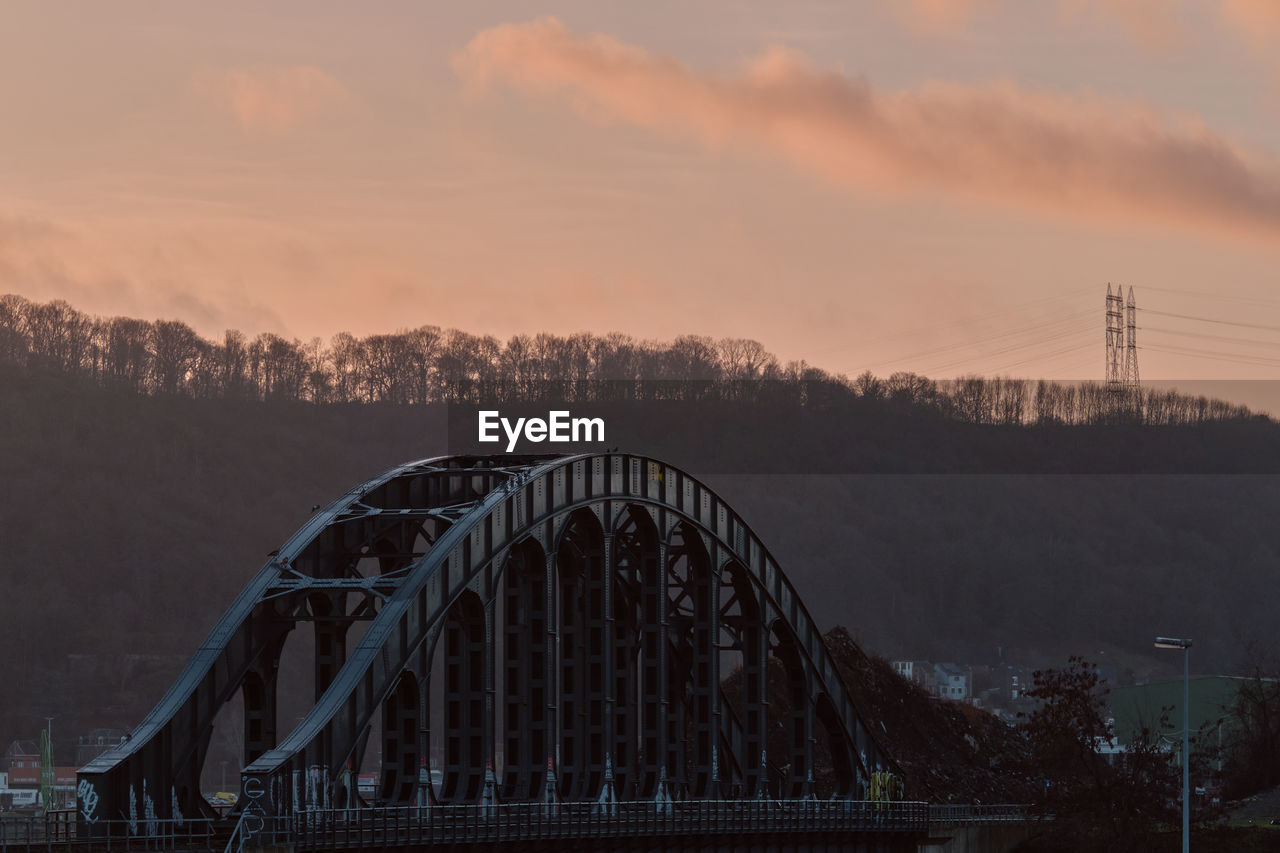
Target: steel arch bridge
(578, 610)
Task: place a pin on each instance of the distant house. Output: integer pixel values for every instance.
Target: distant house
(954, 681)
(919, 671)
(23, 775)
(1012, 680)
(24, 782)
(96, 742)
(29, 776)
(22, 754)
(16, 798)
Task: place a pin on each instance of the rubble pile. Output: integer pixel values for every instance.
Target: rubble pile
(947, 752)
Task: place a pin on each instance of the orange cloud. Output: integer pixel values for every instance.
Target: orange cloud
(1258, 19)
(937, 16)
(1080, 156)
(1155, 24)
(277, 99)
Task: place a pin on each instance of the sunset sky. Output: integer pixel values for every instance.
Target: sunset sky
(945, 187)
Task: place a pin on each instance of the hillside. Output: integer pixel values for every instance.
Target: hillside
(130, 521)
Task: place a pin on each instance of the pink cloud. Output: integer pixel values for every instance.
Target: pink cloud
(1079, 156)
(1258, 19)
(275, 99)
(936, 16)
(1155, 24)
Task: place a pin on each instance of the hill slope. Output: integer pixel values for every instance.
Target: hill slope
(129, 522)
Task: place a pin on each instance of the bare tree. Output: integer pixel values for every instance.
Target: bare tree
(346, 358)
(128, 356)
(173, 347)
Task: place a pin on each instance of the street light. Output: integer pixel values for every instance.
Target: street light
(1185, 645)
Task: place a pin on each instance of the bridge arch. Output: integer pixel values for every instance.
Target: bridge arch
(643, 573)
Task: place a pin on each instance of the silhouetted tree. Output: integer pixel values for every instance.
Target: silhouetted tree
(173, 346)
(1249, 755)
(1099, 802)
(428, 365)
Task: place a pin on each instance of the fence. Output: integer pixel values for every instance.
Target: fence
(528, 822)
(392, 826)
(57, 830)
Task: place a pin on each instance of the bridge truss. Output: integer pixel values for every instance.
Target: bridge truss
(566, 624)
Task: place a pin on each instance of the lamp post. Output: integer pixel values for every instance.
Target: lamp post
(1185, 645)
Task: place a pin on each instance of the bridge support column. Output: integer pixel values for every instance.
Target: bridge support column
(464, 695)
(400, 714)
(488, 721)
(755, 658)
(653, 670)
(258, 691)
(635, 555)
(551, 657)
(331, 640)
(800, 716)
(525, 698)
(670, 704)
(705, 675)
(607, 730)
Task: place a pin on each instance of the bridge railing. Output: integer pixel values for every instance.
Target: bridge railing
(466, 824)
(968, 815)
(470, 824)
(57, 831)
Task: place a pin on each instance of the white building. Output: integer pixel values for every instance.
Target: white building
(955, 682)
(919, 671)
(16, 798)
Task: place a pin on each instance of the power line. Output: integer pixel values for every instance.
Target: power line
(1048, 357)
(1216, 297)
(1012, 333)
(1039, 341)
(986, 320)
(1210, 320)
(1227, 338)
(1218, 355)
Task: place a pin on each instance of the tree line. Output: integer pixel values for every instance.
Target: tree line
(433, 365)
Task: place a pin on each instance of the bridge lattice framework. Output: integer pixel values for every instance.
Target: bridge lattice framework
(574, 613)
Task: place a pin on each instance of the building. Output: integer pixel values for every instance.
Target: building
(19, 752)
(27, 778)
(1011, 681)
(96, 742)
(16, 798)
(23, 776)
(919, 671)
(954, 681)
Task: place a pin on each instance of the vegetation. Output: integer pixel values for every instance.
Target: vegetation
(429, 365)
(1246, 755)
(1099, 802)
(948, 752)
